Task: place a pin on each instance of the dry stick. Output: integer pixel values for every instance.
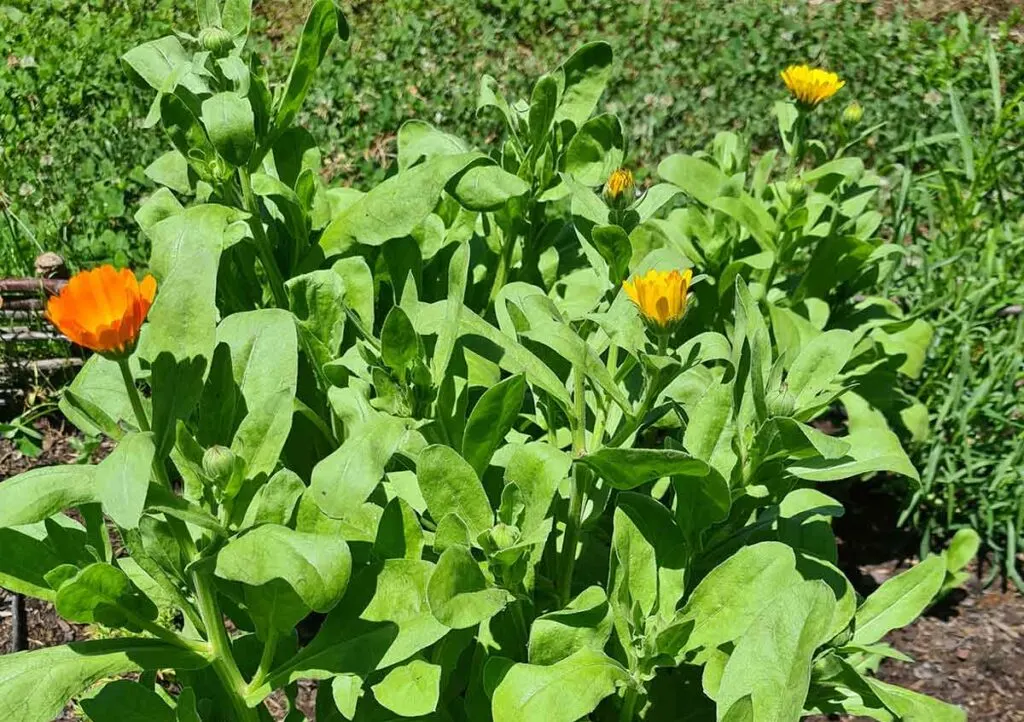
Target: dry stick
(31, 285)
(19, 624)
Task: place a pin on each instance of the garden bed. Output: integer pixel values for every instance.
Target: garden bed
(966, 648)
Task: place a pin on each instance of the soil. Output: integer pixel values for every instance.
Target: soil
(967, 648)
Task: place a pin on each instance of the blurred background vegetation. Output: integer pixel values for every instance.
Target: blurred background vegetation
(944, 76)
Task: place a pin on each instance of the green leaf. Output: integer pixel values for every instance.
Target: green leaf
(450, 485)
(596, 150)
(486, 187)
(543, 104)
(772, 660)
(411, 689)
(125, 701)
(458, 279)
(40, 493)
(346, 689)
(324, 22)
(615, 248)
(728, 599)
(97, 401)
(275, 501)
(873, 447)
(25, 562)
(913, 706)
(399, 534)
(396, 206)
(458, 592)
(630, 468)
(899, 601)
(122, 479)
(697, 178)
(562, 692)
(236, 15)
(102, 593)
(491, 419)
(585, 623)
(230, 125)
(818, 363)
(400, 345)
(316, 566)
(158, 60)
(34, 686)
(345, 479)
(537, 468)
(963, 547)
(584, 77)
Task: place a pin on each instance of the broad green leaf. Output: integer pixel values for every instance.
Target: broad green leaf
(230, 125)
(633, 569)
(899, 601)
(383, 620)
(102, 593)
(96, 401)
(537, 468)
(752, 215)
(418, 140)
(963, 547)
(359, 293)
(325, 21)
(317, 300)
(698, 178)
(615, 248)
(156, 61)
(586, 623)
(275, 501)
(562, 692)
(913, 706)
(399, 534)
(873, 447)
(543, 104)
(450, 485)
(25, 562)
(40, 493)
(629, 468)
(487, 187)
(709, 427)
(772, 660)
(346, 689)
(400, 346)
(818, 363)
(171, 170)
(34, 686)
(490, 420)
(346, 478)
(596, 150)
(396, 206)
(126, 701)
(584, 76)
(458, 279)
(316, 566)
(728, 599)
(411, 689)
(458, 592)
(122, 479)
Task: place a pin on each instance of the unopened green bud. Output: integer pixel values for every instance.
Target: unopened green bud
(217, 40)
(781, 402)
(219, 464)
(853, 114)
(619, 190)
(796, 189)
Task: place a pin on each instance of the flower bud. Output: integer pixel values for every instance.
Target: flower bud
(219, 464)
(619, 189)
(781, 402)
(796, 189)
(852, 114)
(217, 40)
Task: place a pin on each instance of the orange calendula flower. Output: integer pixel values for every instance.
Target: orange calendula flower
(660, 295)
(103, 309)
(619, 187)
(811, 86)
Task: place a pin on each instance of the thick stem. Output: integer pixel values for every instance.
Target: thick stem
(263, 248)
(222, 659)
(628, 711)
(504, 261)
(579, 477)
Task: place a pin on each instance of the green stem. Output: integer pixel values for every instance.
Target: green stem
(266, 661)
(222, 658)
(628, 711)
(504, 261)
(576, 501)
(263, 248)
(141, 420)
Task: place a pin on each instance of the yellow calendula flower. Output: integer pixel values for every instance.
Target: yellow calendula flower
(660, 295)
(619, 187)
(811, 86)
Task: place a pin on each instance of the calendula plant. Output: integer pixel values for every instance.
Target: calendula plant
(467, 415)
